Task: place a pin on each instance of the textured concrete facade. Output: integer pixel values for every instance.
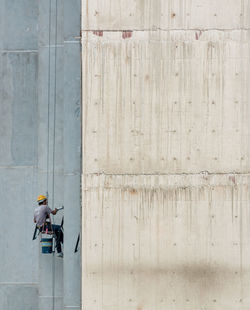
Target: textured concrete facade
(40, 134)
(72, 153)
(166, 155)
(60, 145)
(18, 154)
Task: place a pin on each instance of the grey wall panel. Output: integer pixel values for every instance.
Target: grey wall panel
(72, 20)
(6, 97)
(72, 110)
(50, 12)
(72, 153)
(24, 108)
(19, 260)
(19, 108)
(20, 28)
(22, 297)
(72, 261)
(47, 303)
(25, 82)
(59, 121)
(18, 154)
(50, 162)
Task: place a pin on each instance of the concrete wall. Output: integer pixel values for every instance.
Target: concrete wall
(51, 139)
(18, 153)
(72, 153)
(60, 147)
(26, 160)
(166, 155)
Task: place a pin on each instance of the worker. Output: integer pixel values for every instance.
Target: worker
(42, 212)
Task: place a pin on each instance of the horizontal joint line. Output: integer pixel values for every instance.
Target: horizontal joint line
(19, 51)
(72, 42)
(52, 45)
(40, 296)
(18, 167)
(166, 174)
(72, 174)
(19, 283)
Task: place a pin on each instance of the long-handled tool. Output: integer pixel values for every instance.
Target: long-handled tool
(77, 243)
(35, 232)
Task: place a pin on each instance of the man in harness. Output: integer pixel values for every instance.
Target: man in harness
(41, 214)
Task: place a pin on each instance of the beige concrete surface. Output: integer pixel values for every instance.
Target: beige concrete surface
(166, 102)
(165, 14)
(166, 155)
(166, 242)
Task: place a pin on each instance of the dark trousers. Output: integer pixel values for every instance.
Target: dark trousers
(58, 234)
(59, 237)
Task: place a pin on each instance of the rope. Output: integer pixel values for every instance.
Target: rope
(48, 129)
(54, 130)
(54, 153)
(48, 114)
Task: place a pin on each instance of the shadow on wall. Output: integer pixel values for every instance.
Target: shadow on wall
(201, 283)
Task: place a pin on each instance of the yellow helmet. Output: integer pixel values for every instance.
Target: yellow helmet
(41, 198)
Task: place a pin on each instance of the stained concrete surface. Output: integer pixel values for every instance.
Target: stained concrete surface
(166, 155)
